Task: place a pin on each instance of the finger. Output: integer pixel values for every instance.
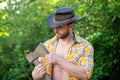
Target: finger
(40, 67)
(43, 69)
(46, 56)
(40, 64)
(44, 72)
(49, 61)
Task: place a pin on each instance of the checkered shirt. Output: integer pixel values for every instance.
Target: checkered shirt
(81, 53)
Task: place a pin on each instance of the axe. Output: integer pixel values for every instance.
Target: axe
(34, 57)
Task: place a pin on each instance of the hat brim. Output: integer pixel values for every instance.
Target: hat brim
(51, 23)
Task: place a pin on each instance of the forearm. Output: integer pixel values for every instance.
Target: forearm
(73, 70)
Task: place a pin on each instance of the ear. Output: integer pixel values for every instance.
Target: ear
(72, 25)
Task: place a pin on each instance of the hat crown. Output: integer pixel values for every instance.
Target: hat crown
(64, 13)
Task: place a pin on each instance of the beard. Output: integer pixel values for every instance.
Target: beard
(62, 36)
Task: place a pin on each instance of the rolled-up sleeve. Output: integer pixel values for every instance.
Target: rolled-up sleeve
(87, 60)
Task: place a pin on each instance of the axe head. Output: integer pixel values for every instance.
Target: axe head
(40, 51)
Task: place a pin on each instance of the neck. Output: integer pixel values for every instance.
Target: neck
(67, 40)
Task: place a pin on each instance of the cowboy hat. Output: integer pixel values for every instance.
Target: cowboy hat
(62, 16)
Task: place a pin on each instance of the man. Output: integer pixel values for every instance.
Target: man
(71, 56)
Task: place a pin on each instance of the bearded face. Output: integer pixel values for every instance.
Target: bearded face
(62, 35)
(62, 32)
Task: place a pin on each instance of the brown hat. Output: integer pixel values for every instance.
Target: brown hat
(62, 16)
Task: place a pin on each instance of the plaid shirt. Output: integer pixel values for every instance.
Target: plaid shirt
(80, 53)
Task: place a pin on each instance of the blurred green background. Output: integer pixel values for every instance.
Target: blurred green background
(23, 27)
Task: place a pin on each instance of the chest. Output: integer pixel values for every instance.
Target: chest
(70, 53)
(61, 50)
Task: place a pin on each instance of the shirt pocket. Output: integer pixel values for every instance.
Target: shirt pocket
(74, 58)
(78, 51)
(75, 55)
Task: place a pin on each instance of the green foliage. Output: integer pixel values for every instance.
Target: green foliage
(23, 26)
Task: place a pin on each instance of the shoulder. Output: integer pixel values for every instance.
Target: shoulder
(50, 41)
(50, 44)
(84, 42)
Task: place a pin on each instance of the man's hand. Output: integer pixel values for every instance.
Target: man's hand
(52, 58)
(39, 72)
